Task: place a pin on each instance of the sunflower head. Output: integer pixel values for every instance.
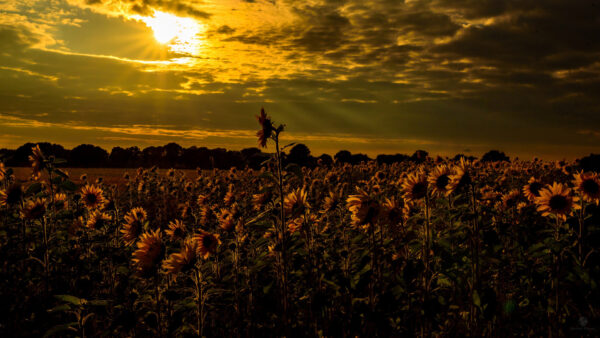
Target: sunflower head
(150, 251)
(60, 202)
(2, 171)
(511, 199)
(395, 211)
(183, 260)
(227, 218)
(34, 209)
(176, 230)
(97, 220)
(207, 243)
(556, 200)
(135, 222)
(261, 199)
(266, 130)
(439, 179)
(588, 186)
(92, 197)
(37, 160)
(532, 189)
(364, 210)
(295, 203)
(415, 187)
(332, 201)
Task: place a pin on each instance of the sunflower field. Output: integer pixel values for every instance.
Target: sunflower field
(437, 248)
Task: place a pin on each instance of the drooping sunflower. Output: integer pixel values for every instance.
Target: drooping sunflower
(295, 203)
(97, 219)
(183, 260)
(207, 214)
(363, 209)
(37, 161)
(266, 130)
(201, 200)
(207, 243)
(176, 230)
(134, 224)
(34, 209)
(439, 179)
(299, 223)
(532, 189)
(150, 251)
(415, 187)
(556, 200)
(92, 197)
(229, 198)
(588, 185)
(12, 195)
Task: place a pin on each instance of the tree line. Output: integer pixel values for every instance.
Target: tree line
(173, 155)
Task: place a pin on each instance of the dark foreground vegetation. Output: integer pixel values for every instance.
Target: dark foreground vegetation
(447, 247)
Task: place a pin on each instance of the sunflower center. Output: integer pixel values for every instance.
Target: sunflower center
(590, 187)
(91, 198)
(419, 190)
(208, 241)
(535, 188)
(442, 181)
(558, 202)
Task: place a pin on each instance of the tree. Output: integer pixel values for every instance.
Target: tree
(494, 156)
(89, 156)
(419, 156)
(343, 156)
(299, 154)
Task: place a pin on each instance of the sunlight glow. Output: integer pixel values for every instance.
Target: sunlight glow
(180, 34)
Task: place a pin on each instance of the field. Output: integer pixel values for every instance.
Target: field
(432, 248)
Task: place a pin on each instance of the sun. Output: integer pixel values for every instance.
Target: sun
(180, 34)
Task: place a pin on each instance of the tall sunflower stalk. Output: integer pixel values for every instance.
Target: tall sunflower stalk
(268, 131)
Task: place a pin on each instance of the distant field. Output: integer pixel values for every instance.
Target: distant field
(109, 175)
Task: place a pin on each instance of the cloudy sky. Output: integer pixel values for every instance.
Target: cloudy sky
(378, 76)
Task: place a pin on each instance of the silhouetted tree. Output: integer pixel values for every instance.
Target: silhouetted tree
(325, 159)
(172, 153)
(419, 156)
(343, 156)
(87, 155)
(299, 154)
(389, 159)
(494, 155)
(590, 163)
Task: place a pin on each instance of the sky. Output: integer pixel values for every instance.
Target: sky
(370, 76)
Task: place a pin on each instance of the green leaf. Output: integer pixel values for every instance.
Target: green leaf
(68, 185)
(61, 328)
(34, 188)
(70, 299)
(61, 173)
(98, 302)
(476, 299)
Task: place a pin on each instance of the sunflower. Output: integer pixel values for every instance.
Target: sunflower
(92, 197)
(34, 209)
(149, 252)
(415, 187)
(2, 171)
(229, 196)
(176, 230)
(332, 201)
(97, 219)
(12, 195)
(227, 218)
(299, 223)
(395, 211)
(588, 185)
(295, 204)
(260, 200)
(557, 200)
(134, 224)
(201, 200)
(511, 199)
(532, 189)
(37, 160)
(364, 209)
(267, 128)
(183, 260)
(207, 214)
(439, 179)
(461, 176)
(60, 201)
(207, 243)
